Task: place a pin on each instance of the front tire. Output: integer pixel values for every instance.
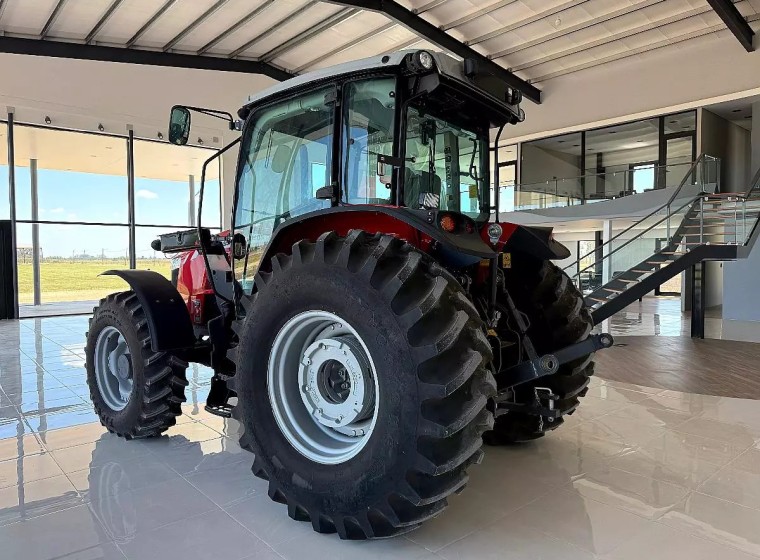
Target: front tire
(135, 391)
(429, 366)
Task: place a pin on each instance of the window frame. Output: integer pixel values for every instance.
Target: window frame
(393, 197)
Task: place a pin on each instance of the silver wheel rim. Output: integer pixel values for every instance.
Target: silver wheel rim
(322, 386)
(113, 368)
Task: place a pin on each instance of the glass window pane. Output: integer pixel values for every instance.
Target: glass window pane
(446, 161)
(681, 122)
(163, 177)
(371, 109)
(285, 147)
(612, 152)
(145, 257)
(71, 258)
(76, 172)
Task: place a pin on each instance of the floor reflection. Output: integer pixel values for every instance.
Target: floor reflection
(633, 467)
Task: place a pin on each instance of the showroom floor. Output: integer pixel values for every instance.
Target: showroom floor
(637, 472)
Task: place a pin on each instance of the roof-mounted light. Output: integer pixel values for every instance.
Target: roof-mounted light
(425, 59)
(420, 61)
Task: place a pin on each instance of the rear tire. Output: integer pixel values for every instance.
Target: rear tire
(152, 391)
(558, 317)
(432, 364)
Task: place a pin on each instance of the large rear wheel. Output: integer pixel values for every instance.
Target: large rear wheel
(363, 375)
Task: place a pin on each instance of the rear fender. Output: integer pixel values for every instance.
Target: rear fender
(168, 319)
(417, 227)
(535, 241)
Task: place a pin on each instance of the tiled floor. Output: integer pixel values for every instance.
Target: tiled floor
(636, 473)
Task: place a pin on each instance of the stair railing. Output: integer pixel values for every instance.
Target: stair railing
(639, 235)
(694, 166)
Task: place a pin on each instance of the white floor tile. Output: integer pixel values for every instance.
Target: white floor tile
(209, 535)
(659, 542)
(590, 525)
(722, 522)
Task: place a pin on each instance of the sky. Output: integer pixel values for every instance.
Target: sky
(88, 197)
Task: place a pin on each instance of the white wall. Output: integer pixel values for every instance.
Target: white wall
(80, 94)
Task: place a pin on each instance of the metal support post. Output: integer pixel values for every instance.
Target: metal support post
(131, 194)
(12, 201)
(35, 233)
(191, 202)
(698, 292)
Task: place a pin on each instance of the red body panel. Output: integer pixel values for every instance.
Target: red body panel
(193, 284)
(342, 223)
(192, 278)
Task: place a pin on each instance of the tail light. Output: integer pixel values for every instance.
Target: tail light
(448, 223)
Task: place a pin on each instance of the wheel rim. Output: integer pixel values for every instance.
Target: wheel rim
(322, 386)
(113, 368)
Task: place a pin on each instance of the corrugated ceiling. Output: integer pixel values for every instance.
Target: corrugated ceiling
(537, 39)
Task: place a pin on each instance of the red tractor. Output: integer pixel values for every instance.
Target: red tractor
(368, 323)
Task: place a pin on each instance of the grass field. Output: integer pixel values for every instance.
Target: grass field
(78, 280)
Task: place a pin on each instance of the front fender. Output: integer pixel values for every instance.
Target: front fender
(169, 322)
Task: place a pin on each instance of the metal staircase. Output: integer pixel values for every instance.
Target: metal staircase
(692, 227)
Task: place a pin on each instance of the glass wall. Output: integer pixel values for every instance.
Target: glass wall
(72, 209)
(167, 195)
(605, 163)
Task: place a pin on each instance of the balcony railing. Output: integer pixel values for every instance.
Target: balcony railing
(590, 188)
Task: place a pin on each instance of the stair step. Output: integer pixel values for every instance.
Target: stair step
(640, 271)
(613, 290)
(596, 299)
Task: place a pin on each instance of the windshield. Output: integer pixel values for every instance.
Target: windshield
(445, 162)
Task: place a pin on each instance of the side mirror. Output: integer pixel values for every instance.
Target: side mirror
(179, 125)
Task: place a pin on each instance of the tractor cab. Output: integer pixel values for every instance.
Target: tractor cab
(408, 130)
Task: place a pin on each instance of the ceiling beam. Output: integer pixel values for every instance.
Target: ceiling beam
(435, 35)
(735, 22)
(199, 20)
(81, 51)
(102, 21)
(230, 30)
(51, 19)
(151, 20)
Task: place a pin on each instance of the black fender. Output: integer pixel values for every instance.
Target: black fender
(458, 249)
(536, 241)
(169, 321)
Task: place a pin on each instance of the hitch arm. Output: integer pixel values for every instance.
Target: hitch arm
(548, 364)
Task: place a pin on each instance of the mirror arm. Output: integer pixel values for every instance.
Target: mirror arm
(223, 115)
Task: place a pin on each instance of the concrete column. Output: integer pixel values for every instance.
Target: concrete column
(607, 234)
(35, 233)
(191, 217)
